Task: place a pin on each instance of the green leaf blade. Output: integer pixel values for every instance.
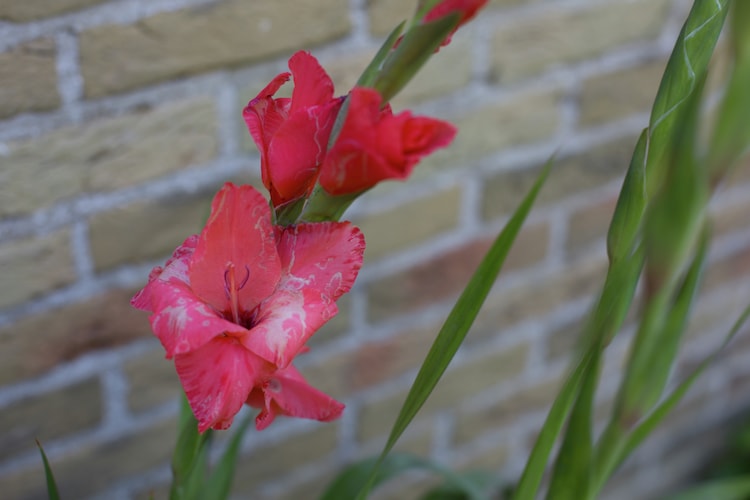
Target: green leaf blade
(52, 491)
(461, 318)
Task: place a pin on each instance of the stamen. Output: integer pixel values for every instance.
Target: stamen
(231, 288)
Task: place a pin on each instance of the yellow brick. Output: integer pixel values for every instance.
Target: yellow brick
(229, 33)
(29, 77)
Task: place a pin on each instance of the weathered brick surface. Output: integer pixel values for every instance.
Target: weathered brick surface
(598, 166)
(448, 274)
(269, 462)
(619, 94)
(500, 310)
(457, 384)
(371, 363)
(152, 380)
(731, 218)
(562, 35)
(494, 127)
(49, 416)
(146, 230)
(472, 424)
(384, 15)
(35, 344)
(562, 340)
(29, 77)
(336, 327)
(733, 267)
(33, 266)
(91, 469)
(409, 224)
(107, 154)
(28, 10)
(173, 44)
(589, 225)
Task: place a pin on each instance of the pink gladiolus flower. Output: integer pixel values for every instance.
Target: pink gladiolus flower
(375, 145)
(292, 133)
(235, 304)
(467, 8)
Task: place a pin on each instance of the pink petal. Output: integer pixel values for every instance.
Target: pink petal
(422, 135)
(297, 149)
(312, 85)
(286, 320)
(288, 393)
(237, 233)
(263, 115)
(175, 270)
(217, 379)
(182, 321)
(324, 255)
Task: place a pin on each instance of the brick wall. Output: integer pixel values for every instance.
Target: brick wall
(119, 120)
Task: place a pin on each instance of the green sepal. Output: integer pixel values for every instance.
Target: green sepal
(415, 48)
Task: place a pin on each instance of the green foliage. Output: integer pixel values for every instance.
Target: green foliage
(191, 477)
(457, 324)
(378, 471)
(52, 492)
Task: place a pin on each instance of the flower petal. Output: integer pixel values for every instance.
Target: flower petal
(288, 393)
(217, 379)
(175, 270)
(285, 321)
(326, 255)
(298, 148)
(263, 115)
(237, 233)
(182, 321)
(312, 85)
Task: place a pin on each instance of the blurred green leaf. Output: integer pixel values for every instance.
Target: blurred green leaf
(52, 492)
(626, 221)
(373, 69)
(220, 480)
(189, 456)
(536, 464)
(731, 137)
(380, 470)
(672, 234)
(736, 488)
(609, 462)
(461, 318)
(416, 47)
(571, 476)
(687, 65)
(485, 481)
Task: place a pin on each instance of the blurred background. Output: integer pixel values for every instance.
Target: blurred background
(120, 119)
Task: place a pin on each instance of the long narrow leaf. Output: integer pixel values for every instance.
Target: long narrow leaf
(649, 424)
(415, 48)
(220, 481)
(572, 472)
(52, 492)
(537, 461)
(461, 318)
(687, 65)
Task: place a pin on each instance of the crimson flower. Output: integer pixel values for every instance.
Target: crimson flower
(235, 304)
(375, 145)
(292, 133)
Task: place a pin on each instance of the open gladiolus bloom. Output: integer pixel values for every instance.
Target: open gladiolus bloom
(236, 303)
